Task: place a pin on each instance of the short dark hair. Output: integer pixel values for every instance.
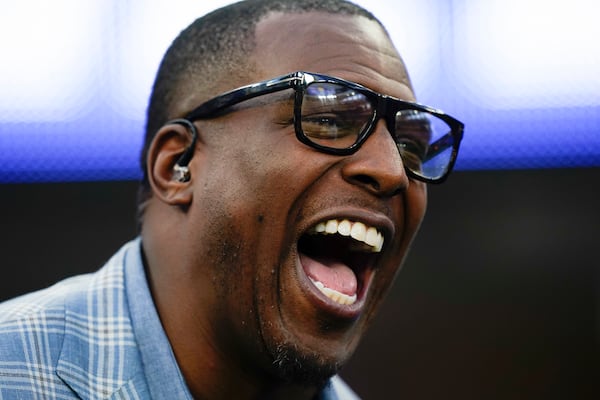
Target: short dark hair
(216, 43)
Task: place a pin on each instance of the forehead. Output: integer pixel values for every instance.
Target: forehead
(350, 47)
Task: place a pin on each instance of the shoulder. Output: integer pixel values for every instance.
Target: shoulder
(44, 310)
(68, 333)
(31, 337)
(36, 321)
(38, 305)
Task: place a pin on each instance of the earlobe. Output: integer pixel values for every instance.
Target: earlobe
(171, 182)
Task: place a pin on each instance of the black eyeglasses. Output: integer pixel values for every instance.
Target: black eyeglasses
(336, 116)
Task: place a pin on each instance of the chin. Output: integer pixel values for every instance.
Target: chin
(304, 368)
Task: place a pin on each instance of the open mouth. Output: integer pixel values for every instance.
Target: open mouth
(337, 255)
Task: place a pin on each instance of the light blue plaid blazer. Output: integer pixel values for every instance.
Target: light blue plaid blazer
(73, 340)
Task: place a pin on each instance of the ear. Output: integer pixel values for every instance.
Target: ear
(169, 143)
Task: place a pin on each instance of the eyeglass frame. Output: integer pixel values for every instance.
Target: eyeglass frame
(299, 81)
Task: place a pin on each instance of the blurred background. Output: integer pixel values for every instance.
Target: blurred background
(500, 296)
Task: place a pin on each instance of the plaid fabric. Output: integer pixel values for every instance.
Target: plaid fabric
(72, 340)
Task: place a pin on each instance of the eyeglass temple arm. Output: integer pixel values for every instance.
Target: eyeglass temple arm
(185, 158)
(228, 99)
(217, 104)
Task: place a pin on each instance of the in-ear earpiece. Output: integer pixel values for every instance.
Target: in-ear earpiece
(181, 171)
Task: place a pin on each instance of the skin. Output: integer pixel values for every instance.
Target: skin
(221, 249)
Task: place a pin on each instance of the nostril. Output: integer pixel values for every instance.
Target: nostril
(367, 180)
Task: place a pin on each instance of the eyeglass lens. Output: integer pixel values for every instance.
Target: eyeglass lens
(336, 116)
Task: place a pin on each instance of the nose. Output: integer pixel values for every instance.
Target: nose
(377, 166)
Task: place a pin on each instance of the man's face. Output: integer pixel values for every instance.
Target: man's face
(260, 194)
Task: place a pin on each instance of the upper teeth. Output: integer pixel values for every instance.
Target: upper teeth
(357, 230)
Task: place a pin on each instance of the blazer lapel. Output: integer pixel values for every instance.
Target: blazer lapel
(99, 357)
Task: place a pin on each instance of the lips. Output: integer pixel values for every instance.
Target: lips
(337, 256)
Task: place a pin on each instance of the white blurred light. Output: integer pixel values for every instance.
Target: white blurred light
(415, 28)
(146, 30)
(49, 55)
(528, 53)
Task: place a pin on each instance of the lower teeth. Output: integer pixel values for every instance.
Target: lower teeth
(334, 295)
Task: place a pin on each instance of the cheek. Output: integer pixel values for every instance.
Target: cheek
(413, 209)
(245, 198)
(263, 179)
(416, 205)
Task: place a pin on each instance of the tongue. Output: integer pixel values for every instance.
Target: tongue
(331, 273)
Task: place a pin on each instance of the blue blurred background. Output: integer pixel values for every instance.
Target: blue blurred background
(524, 76)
